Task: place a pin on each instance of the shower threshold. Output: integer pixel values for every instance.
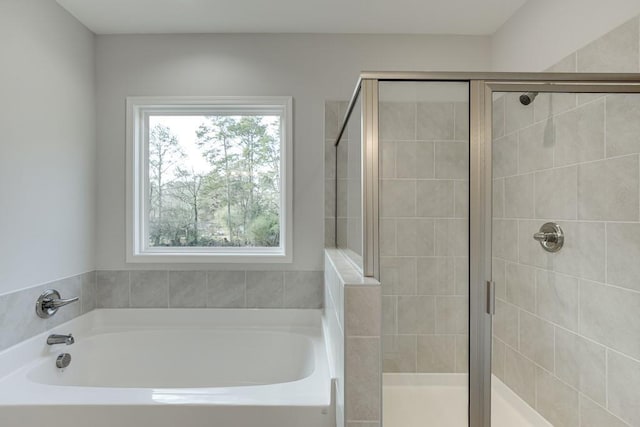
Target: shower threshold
(440, 400)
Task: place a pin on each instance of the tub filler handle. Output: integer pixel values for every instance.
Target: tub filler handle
(49, 302)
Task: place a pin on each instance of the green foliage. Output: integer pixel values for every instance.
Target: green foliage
(236, 203)
(265, 230)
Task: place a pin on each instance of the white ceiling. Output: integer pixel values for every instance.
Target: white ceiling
(477, 17)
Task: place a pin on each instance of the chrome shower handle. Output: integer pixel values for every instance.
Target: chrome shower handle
(57, 303)
(546, 237)
(49, 302)
(550, 236)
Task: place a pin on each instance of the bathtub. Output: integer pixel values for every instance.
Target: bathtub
(171, 367)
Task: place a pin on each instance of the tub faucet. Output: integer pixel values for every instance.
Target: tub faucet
(60, 339)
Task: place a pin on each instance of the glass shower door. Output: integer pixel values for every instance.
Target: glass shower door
(566, 259)
(424, 205)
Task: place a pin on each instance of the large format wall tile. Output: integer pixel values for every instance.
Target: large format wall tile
(112, 289)
(623, 253)
(398, 121)
(398, 275)
(416, 315)
(398, 198)
(537, 340)
(451, 315)
(556, 193)
(436, 276)
(616, 51)
(557, 298)
(452, 159)
(581, 363)
(609, 316)
(535, 147)
(416, 237)
(623, 124)
(303, 289)
(624, 377)
(505, 155)
(518, 196)
(226, 289)
(435, 121)
(434, 198)
(594, 415)
(505, 323)
(149, 289)
(548, 105)
(556, 401)
(521, 286)
(187, 289)
(520, 375)
(434, 353)
(580, 134)
(608, 189)
(363, 383)
(265, 289)
(400, 353)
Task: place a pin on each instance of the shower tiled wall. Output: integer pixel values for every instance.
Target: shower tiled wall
(18, 320)
(567, 325)
(423, 235)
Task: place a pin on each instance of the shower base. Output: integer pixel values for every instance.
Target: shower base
(416, 400)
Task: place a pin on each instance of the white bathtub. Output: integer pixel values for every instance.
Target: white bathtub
(171, 367)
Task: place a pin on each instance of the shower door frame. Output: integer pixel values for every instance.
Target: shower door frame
(481, 89)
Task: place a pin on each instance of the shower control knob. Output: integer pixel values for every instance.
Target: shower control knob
(550, 236)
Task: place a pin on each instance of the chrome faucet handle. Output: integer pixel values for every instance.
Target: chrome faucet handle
(550, 236)
(49, 302)
(545, 237)
(57, 303)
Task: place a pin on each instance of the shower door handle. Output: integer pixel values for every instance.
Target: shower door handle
(491, 297)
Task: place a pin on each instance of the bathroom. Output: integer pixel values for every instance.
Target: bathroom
(410, 280)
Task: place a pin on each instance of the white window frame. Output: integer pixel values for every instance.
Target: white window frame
(138, 110)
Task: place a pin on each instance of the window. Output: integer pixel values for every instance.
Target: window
(209, 179)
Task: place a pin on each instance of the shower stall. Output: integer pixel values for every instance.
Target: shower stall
(501, 214)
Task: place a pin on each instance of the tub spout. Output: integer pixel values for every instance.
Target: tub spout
(60, 339)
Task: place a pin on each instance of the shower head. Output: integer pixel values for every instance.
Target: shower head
(527, 98)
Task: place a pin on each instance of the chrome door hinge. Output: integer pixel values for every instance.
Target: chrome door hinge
(491, 297)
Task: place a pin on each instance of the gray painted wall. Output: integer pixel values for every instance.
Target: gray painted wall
(311, 68)
(47, 164)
